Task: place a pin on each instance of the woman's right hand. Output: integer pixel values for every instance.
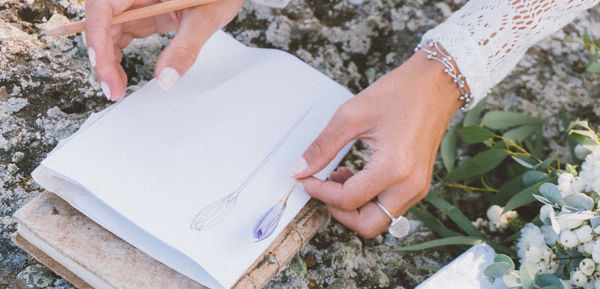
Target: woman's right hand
(105, 41)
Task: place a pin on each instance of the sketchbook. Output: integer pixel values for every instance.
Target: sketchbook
(184, 175)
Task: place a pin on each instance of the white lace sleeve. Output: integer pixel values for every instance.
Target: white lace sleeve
(488, 37)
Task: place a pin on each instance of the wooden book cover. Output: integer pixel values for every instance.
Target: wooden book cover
(89, 256)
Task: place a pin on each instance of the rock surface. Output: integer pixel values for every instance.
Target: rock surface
(47, 89)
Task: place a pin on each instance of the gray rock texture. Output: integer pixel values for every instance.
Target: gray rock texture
(47, 89)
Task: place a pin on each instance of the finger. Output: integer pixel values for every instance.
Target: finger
(124, 40)
(118, 55)
(100, 45)
(181, 53)
(368, 222)
(343, 127)
(341, 175)
(377, 176)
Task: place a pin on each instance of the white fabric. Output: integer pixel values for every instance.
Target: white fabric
(488, 37)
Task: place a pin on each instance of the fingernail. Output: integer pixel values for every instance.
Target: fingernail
(105, 89)
(92, 56)
(168, 78)
(297, 167)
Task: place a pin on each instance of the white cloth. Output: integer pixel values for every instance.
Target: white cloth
(488, 37)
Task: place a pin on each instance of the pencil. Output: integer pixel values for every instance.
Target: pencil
(129, 15)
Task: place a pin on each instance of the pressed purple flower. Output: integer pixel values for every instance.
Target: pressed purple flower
(268, 223)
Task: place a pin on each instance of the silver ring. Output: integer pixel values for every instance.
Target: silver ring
(399, 227)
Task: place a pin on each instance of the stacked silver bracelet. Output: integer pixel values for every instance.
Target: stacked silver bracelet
(434, 52)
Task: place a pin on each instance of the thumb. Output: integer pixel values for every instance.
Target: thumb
(341, 129)
(182, 51)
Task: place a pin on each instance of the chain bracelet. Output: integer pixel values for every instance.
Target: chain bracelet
(434, 52)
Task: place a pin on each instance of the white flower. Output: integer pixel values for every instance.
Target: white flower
(531, 236)
(584, 233)
(480, 223)
(588, 247)
(568, 239)
(587, 266)
(597, 230)
(549, 235)
(578, 278)
(553, 265)
(498, 218)
(565, 184)
(494, 212)
(596, 251)
(541, 268)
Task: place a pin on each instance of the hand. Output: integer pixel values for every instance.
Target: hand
(194, 26)
(402, 117)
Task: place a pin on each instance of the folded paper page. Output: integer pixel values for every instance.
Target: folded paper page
(185, 175)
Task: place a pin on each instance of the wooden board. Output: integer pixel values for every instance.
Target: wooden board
(83, 247)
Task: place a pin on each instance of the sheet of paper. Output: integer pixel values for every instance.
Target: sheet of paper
(145, 168)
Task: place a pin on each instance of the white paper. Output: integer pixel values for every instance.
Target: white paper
(466, 271)
(144, 169)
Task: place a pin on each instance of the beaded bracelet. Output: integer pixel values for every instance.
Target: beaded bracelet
(434, 52)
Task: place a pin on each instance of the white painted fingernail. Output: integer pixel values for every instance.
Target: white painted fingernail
(105, 89)
(168, 78)
(297, 167)
(92, 56)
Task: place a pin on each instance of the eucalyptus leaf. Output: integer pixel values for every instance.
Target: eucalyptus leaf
(474, 134)
(448, 149)
(505, 259)
(527, 273)
(506, 119)
(532, 177)
(518, 134)
(497, 270)
(551, 192)
(543, 200)
(472, 116)
(548, 281)
(523, 162)
(579, 201)
(524, 197)
(456, 240)
(594, 222)
(479, 164)
(511, 281)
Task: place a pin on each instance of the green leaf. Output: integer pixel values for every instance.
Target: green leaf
(548, 281)
(527, 271)
(454, 214)
(456, 240)
(585, 133)
(522, 162)
(505, 259)
(431, 222)
(524, 197)
(586, 38)
(497, 270)
(532, 177)
(551, 192)
(579, 201)
(479, 164)
(520, 133)
(507, 190)
(593, 67)
(474, 134)
(448, 149)
(472, 116)
(506, 119)
(511, 281)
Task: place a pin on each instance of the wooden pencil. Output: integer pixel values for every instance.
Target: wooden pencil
(129, 15)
